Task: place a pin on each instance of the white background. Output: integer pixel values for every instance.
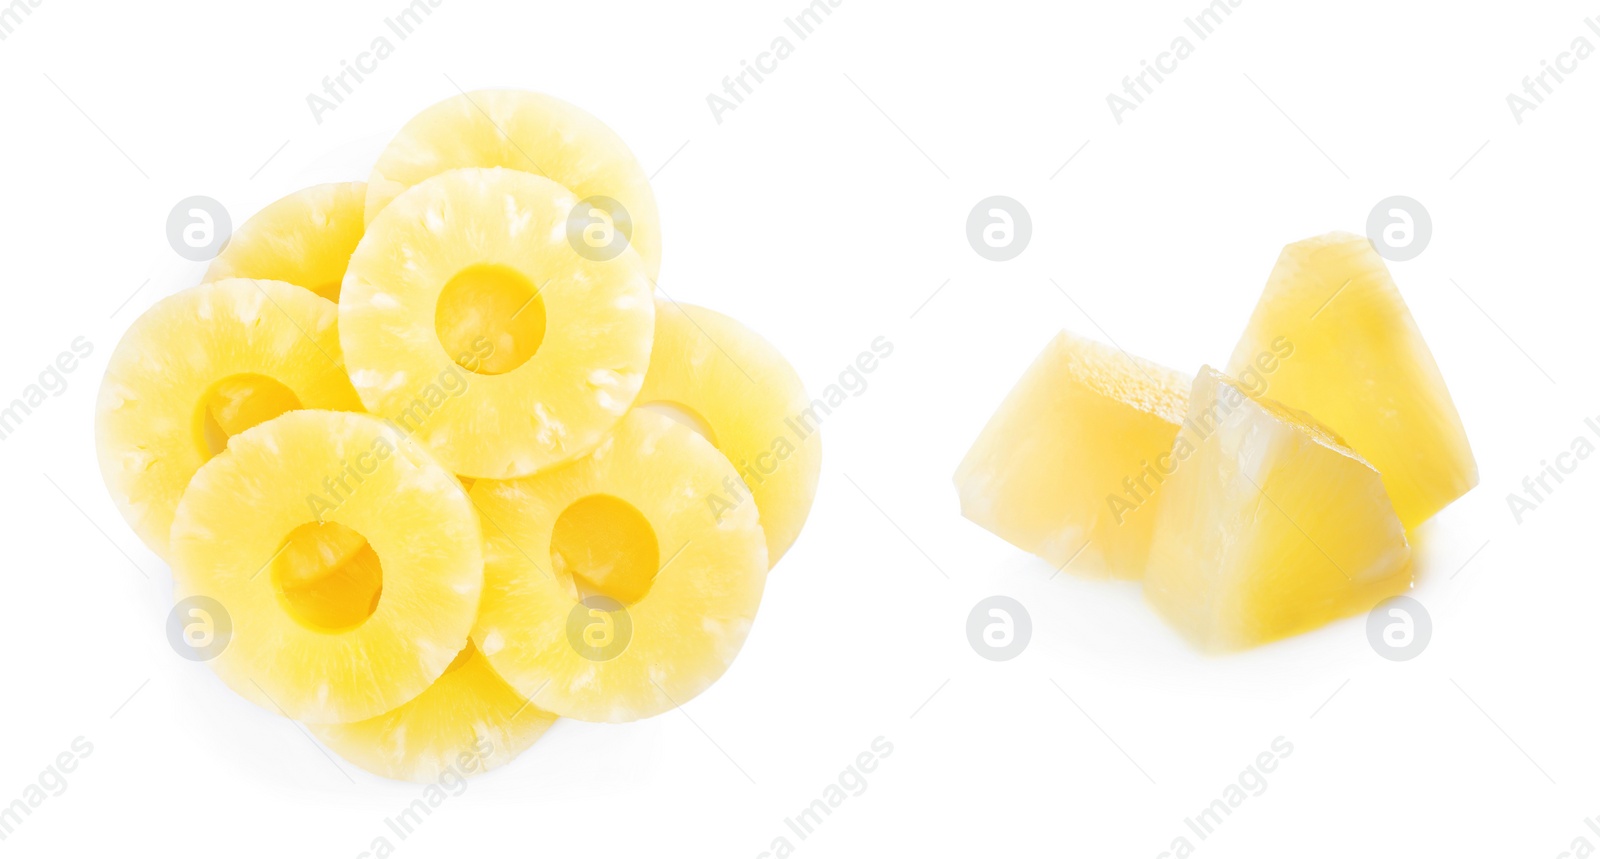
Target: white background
(824, 212)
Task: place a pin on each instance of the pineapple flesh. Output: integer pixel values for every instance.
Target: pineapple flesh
(305, 239)
(524, 131)
(1269, 525)
(1359, 364)
(633, 523)
(1069, 465)
(443, 322)
(468, 720)
(200, 367)
(390, 613)
(730, 385)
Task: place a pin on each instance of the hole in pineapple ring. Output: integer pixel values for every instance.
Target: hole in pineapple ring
(490, 319)
(327, 577)
(236, 403)
(602, 545)
(461, 659)
(683, 415)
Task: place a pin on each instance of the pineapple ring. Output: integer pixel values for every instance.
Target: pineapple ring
(199, 366)
(525, 131)
(239, 514)
(468, 721)
(400, 320)
(305, 239)
(740, 393)
(700, 589)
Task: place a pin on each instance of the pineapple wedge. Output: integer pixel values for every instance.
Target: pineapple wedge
(631, 523)
(1068, 466)
(732, 387)
(526, 131)
(198, 367)
(468, 721)
(1360, 365)
(347, 647)
(305, 239)
(1269, 525)
(442, 319)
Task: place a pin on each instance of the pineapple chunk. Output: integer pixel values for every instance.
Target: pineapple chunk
(732, 387)
(526, 131)
(200, 366)
(349, 645)
(1068, 465)
(1269, 525)
(632, 523)
(305, 239)
(442, 319)
(1360, 365)
(468, 721)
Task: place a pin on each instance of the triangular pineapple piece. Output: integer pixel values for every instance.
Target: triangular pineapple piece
(1357, 361)
(1068, 466)
(1269, 525)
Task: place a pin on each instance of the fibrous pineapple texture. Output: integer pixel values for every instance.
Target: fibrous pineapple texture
(1069, 466)
(443, 318)
(1361, 367)
(377, 374)
(524, 131)
(305, 239)
(373, 628)
(200, 367)
(469, 719)
(1269, 524)
(631, 523)
(731, 386)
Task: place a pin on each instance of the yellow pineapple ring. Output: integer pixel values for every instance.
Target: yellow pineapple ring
(443, 321)
(735, 389)
(200, 366)
(305, 239)
(611, 590)
(349, 645)
(468, 722)
(526, 131)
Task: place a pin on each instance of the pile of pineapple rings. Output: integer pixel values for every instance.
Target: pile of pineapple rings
(438, 462)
